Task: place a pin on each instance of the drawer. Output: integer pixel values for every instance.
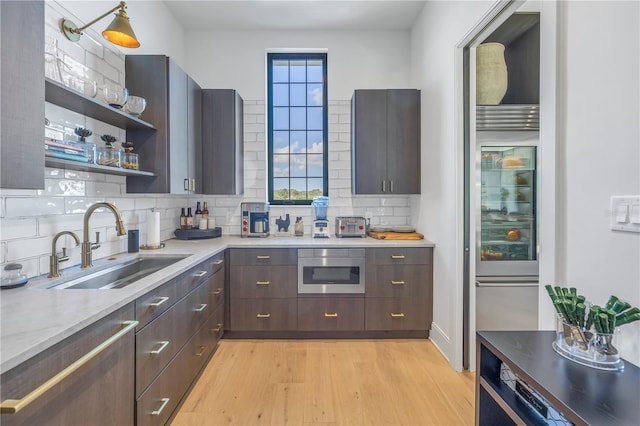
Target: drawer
(263, 314)
(154, 303)
(218, 318)
(396, 314)
(189, 280)
(402, 281)
(263, 282)
(400, 256)
(330, 313)
(216, 293)
(263, 257)
(202, 345)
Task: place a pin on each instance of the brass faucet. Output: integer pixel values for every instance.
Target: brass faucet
(54, 259)
(87, 245)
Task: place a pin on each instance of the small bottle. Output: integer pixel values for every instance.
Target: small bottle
(299, 227)
(183, 220)
(189, 224)
(198, 215)
(205, 211)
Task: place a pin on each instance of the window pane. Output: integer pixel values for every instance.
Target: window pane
(314, 118)
(298, 142)
(314, 94)
(280, 71)
(298, 189)
(280, 142)
(314, 71)
(298, 71)
(280, 189)
(298, 118)
(299, 165)
(314, 165)
(280, 118)
(280, 95)
(281, 165)
(298, 96)
(314, 142)
(315, 188)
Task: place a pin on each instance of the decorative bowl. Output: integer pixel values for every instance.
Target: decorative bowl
(135, 105)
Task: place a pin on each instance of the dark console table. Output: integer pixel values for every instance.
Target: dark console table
(583, 395)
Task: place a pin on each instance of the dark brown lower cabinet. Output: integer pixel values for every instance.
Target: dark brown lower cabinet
(98, 392)
(390, 313)
(339, 313)
(274, 314)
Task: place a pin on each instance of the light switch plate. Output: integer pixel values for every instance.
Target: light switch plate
(625, 213)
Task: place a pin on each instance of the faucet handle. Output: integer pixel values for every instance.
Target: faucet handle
(97, 237)
(64, 256)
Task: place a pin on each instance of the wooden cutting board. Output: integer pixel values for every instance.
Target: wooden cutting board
(396, 235)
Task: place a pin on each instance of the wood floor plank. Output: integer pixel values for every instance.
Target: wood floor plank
(327, 383)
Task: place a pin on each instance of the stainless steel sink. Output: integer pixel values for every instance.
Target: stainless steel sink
(119, 275)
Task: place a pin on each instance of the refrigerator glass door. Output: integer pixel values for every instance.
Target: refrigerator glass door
(506, 236)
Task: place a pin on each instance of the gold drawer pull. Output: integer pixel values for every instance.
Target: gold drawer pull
(202, 350)
(216, 291)
(333, 315)
(262, 282)
(163, 345)
(199, 274)
(218, 262)
(263, 316)
(201, 308)
(11, 406)
(400, 315)
(263, 257)
(397, 256)
(159, 302)
(397, 282)
(164, 401)
(217, 329)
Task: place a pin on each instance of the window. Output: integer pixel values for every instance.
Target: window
(297, 127)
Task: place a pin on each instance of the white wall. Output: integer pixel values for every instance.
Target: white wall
(433, 46)
(600, 148)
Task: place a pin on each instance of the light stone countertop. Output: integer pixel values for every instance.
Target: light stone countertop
(34, 318)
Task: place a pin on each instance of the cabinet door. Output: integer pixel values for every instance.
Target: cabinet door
(22, 91)
(222, 142)
(178, 129)
(369, 141)
(194, 134)
(403, 141)
(99, 392)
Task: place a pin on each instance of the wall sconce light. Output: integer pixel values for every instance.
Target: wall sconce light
(118, 32)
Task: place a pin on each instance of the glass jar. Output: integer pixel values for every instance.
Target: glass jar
(12, 276)
(130, 161)
(108, 156)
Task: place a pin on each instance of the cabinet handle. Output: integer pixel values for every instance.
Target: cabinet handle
(218, 262)
(164, 401)
(200, 274)
(334, 315)
(163, 345)
(400, 315)
(217, 292)
(263, 257)
(390, 186)
(159, 302)
(202, 349)
(186, 184)
(201, 308)
(262, 282)
(397, 256)
(397, 282)
(11, 406)
(217, 329)
(384, 186)
(263, 316)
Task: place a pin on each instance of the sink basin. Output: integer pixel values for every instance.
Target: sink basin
(119, 275)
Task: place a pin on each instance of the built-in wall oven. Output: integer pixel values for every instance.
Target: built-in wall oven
(331, 270)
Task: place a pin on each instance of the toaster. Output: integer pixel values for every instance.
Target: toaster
(351, 227)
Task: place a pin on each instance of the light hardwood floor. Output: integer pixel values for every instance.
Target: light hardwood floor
(329, 382)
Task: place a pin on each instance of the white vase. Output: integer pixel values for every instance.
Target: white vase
(491, 74)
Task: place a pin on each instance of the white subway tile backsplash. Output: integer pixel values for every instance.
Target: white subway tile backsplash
(28, 248)
(33, 206)
(145, 203)
(102, 189)
(63, 187)
(11, 229)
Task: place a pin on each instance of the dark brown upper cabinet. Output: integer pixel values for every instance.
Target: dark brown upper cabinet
(222, 142)
(385, 138)
(171, 150)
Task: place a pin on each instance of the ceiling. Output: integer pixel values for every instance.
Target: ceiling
(296, 14)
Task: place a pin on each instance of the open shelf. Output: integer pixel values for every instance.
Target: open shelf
(86, 167)
(59, 94)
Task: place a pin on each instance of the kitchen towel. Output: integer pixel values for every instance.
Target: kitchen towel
(153, 228)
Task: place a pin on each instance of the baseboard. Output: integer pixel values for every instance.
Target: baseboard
(440, 340)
